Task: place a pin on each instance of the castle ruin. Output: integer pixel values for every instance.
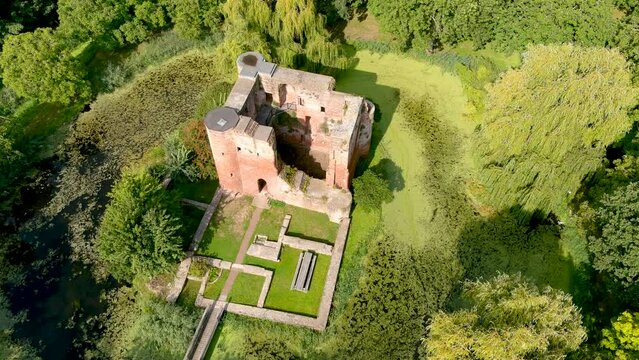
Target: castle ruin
(288, 134)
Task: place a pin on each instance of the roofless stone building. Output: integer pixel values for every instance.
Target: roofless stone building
(276, 119)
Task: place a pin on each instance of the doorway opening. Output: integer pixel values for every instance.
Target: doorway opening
(261, 184)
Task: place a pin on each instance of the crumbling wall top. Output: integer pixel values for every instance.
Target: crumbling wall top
(252, 63)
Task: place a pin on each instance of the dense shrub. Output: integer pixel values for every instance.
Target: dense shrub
(508, 24)
(385, 317)
(615, 247)
(371, 190)
(139, 326)
(40, 66)
(140, 232)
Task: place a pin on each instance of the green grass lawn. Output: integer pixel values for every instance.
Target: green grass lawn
(223, 237)
(189, 294)
(280, 296)
(305, 223)
(246, 289)
(215, 284)
(201, 191)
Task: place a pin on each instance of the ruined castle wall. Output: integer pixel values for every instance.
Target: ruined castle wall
(226, 160)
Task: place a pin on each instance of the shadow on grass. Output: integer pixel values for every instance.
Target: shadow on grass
(503, 243)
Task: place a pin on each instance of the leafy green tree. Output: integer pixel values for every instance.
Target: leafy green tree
(507, 318)
(547, 124)
(615, 249)
(39, 65)
(508, 24)
(192, 18)
(88, 19)
(385, 317)
(371, 190)
(623, 337)
(295, 26)
(139, 233)
(18, 16)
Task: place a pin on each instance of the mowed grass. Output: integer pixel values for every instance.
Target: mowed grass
(201, 191)
(223, 237)
(305, 223)
(215, 284)
(189, 294)
(246, 289)
(280, 296)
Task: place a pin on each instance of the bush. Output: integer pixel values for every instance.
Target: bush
(177, 159)
(371, 190)
(140, 231)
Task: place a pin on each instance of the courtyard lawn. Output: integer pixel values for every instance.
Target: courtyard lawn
(305, 223)
(280, 296)
(223, 237)
(246, 289)
(201, 191)
(189, 294)
(216, 283)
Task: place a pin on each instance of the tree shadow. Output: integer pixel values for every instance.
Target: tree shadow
(387, 169)
(503, 243)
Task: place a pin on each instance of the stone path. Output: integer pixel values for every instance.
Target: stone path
(205, 336)
(179, 280)
(331, 276)
(206, 219)
(246, 241)
(208, 331)
(197, 204)
(183, 269)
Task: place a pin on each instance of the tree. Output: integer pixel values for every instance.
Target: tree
(615, 249)
(507, 318)
(297, 31)
(623, 337)
(547, 125)
(385, 317)
(371, 190)
(508, 24)
(139, 233)
(38, 65)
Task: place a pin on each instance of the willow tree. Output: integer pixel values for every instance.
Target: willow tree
(294, 28)
(507, 318)
(547, 124)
